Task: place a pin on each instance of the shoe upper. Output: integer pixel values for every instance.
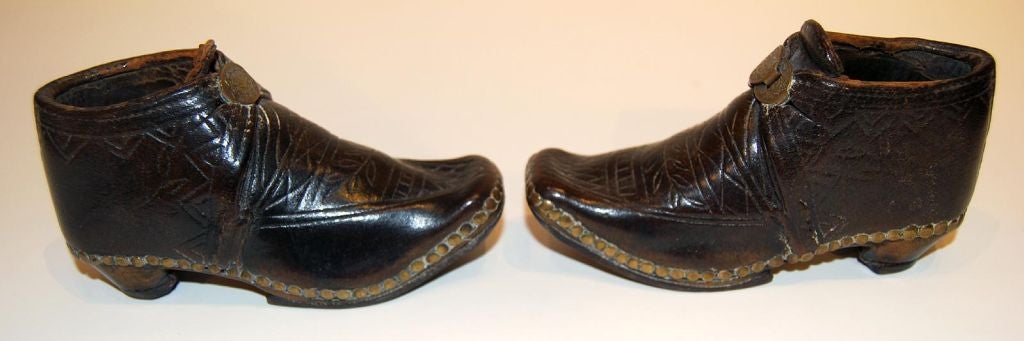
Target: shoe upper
(181, 155)
(838, 135)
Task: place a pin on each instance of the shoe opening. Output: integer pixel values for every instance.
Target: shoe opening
(126, 85)
(866, 64)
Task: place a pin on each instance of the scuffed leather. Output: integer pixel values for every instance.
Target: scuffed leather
(154, 156)
(865, 134)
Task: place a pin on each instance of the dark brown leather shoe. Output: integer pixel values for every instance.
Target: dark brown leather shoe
(179, 161)
(842, 141)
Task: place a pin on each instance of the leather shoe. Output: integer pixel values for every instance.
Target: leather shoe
(180, 161)
(841, 141)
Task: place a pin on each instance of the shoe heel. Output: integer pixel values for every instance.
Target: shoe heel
(139, 282)
(895, 256)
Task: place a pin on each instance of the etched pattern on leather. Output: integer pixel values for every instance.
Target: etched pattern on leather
(710, 169)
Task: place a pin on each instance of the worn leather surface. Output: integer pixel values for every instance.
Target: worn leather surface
(837, 135)
(181, 154)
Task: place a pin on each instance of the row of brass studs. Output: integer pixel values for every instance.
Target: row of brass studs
(605, 249)
(455, 239)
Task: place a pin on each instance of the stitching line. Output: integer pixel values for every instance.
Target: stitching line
(467, 231)
(571, 227)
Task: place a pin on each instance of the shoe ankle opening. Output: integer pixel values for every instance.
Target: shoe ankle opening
(875, 65)
(127, 84)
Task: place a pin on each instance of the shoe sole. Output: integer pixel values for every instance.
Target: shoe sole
(151, 277)
(905, 244)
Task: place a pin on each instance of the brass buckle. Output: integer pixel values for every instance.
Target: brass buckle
(771, 79)
(237, 86)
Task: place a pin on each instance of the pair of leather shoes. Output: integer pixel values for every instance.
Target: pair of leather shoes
(180, 161)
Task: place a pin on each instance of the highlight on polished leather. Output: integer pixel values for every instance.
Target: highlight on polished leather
(180, 161)
(841, 141)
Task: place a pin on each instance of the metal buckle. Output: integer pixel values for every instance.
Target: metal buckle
(771, 79)
(237, 86)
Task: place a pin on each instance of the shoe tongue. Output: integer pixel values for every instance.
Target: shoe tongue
(818, 48)
(205, 58)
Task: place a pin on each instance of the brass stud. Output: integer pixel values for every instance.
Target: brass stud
(940, 228)
(847, 241)
(600, 244)
(565, 221)
(587, 239)
(343, 294)
(909, 234)
(232, 272)
(724, 275)
(546, 206)
(776, 262)
(247, 276)
(576, 231)
(552, 215)
(480, 218)
(454, 240)
(490, 204)
(215, 268)
(198, 267)
(693, 276)
(138, 262)
(757, 267)
(792, 259)
(647, 268)
(184, 264)
(822, 249)
(807, 257)
(861, 239)
(926, 232)
(121, 261)
(327, 294)
(168, 263)
(465, 230)
(894, 235)
(834, 245)
(743, 271)
(107, 260)
(610, 250)
(433, 258)
(310, 293)
(877, 237)
(404, 275)
(263, 281)
(360, 293)
(375, 289)
(389, 284)
(622, 258)
(152, 260)
(279, 286)
(416, 266)
(708, 276)
(294, 290)
(676, 274)
(535, 199)
(441, 249)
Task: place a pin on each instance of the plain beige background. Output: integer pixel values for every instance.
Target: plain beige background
(433, 79)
